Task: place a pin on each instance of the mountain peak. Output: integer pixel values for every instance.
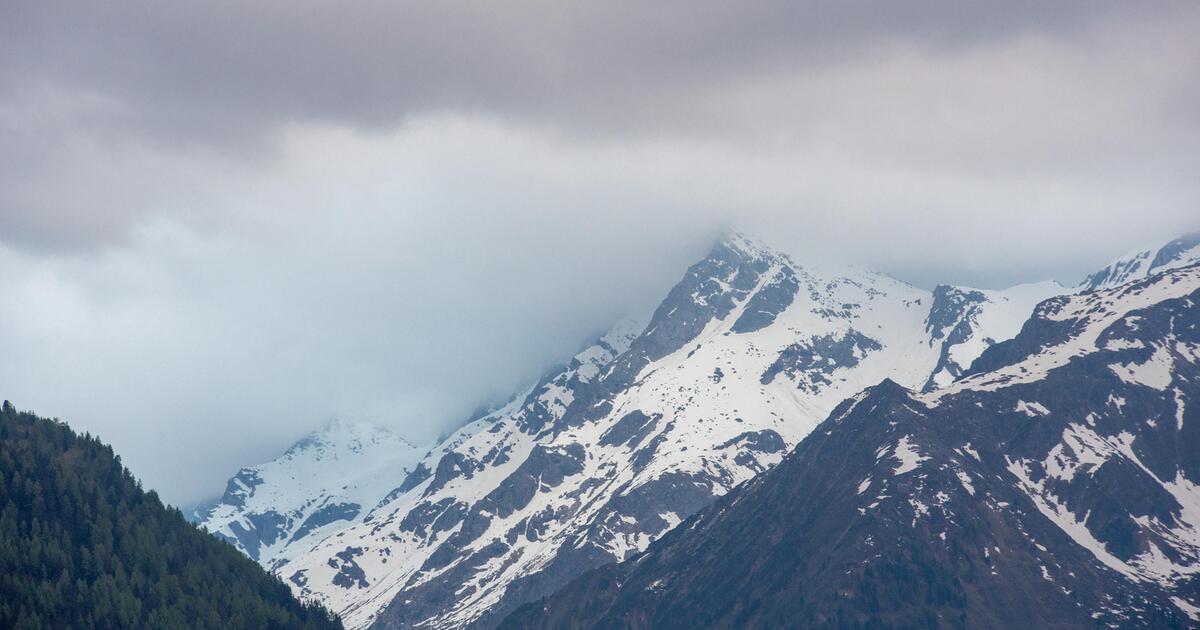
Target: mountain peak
(1142, 263)
(741, 242)
(340, 425)
(341, 431)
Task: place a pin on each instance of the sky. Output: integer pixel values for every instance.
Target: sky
(224, 223)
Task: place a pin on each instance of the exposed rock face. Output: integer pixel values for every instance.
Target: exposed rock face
(815, 359)
(1058, 485)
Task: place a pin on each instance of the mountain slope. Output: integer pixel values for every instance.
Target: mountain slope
(1054, 486)
(322, 483)
(964, 322)
(355, 570)
(605, 454)
(1144, 263)
(82, 546)
(743, 357)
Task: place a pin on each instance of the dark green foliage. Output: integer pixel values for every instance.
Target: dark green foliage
(83, 546)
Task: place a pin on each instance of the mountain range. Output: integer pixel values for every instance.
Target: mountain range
(739, 368)
(1055, 485)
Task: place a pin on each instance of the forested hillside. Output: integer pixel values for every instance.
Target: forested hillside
(82, 545)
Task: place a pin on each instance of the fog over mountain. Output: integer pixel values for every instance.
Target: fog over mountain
(222, 225)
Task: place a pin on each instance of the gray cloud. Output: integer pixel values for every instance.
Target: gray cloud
(227, 67)
(80, 80)
(221, 224)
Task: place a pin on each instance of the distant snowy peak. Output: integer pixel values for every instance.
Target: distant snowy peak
(1143, 263)
(340, 437)
(746, 353)
(964, 322)
(750, 246)
(325, 479)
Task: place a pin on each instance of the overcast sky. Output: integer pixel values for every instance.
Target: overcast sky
(223, 223)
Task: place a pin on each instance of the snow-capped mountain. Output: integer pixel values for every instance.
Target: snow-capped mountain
(639, 430)
(324, 482)
(1056, 485)
(740, 361)
(1142, 263)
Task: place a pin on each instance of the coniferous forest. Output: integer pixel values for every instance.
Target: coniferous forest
(82, 545)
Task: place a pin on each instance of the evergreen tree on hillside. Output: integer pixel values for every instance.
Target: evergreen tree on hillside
(83, 546)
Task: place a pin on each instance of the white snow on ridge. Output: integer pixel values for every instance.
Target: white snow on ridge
(997, 318)
(1080, 447)
(1145, 262)
(1092, 313)
(347, 462)
(965, 480)
(1179, 409)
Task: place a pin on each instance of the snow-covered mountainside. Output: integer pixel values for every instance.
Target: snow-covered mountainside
(744, 356)
(322, 483)
(964, 322)
(639, 430)
(492, 466)
(1142, 263)
(1056, 485)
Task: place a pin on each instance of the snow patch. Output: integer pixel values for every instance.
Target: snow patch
(1080, 448)
(1155, 373)
(965, 480)
(1179, 408)
(906, 452)
(1032, 409)
(1187, 607)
